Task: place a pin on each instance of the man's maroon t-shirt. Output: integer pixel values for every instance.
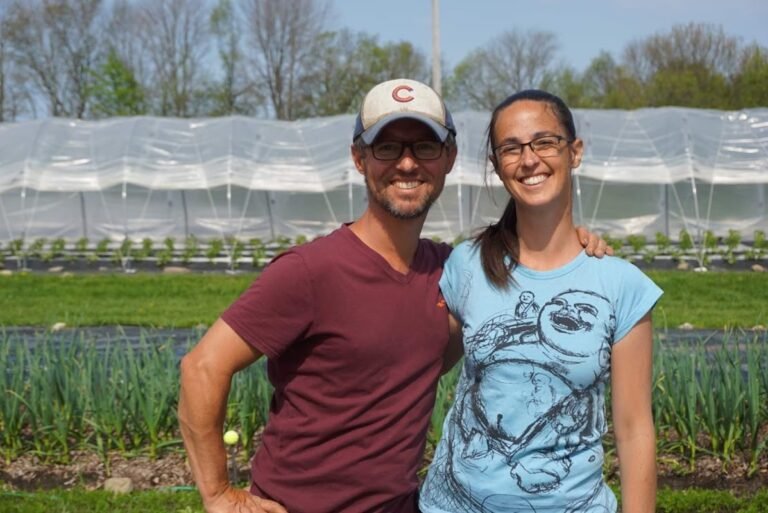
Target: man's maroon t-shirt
(354, 353)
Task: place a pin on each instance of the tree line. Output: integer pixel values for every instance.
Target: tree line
(90, 59)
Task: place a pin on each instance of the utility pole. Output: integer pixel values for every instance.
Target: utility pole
(436, 72)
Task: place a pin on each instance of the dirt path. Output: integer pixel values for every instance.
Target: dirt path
(171, 470)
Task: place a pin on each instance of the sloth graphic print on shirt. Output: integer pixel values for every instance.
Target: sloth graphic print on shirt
(525, 431)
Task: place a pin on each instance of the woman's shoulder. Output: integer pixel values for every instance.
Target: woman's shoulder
(618, 272)
(614, 263)
(464, 251)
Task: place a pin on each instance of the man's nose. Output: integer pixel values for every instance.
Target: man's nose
(407, 161)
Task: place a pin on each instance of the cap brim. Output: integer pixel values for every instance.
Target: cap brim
(370, 135)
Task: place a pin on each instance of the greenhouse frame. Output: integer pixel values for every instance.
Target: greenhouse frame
(644, 171)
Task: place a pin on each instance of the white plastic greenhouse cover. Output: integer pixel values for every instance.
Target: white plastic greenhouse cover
(644, 171)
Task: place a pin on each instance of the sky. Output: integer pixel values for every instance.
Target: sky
(583, 28)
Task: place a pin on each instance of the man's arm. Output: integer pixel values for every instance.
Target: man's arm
(631, 376)
(593, 244)
(455, 349)
(206, 376)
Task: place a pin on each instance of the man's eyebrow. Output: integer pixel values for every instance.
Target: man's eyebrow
(406, 139)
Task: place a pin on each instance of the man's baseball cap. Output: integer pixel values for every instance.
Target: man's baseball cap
(402, 99)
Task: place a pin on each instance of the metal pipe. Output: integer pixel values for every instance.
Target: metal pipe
(436, 71)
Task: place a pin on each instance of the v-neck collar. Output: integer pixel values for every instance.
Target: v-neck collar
(378, 260)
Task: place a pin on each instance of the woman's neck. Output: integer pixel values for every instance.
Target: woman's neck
(547, 237)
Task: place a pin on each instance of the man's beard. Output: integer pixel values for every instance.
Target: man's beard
(412, 211)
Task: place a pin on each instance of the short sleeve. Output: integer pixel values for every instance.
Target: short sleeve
(638, 294)
(454, 275)
(277, 309)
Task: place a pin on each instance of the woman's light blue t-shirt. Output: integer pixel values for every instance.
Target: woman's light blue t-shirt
(525, 430)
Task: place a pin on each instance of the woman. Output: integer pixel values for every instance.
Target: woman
(544, 328)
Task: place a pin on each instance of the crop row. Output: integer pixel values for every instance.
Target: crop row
(162, 253)
(257, 252)
(119, 396)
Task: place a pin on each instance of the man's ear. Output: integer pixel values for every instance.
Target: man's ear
(358, 157)
(452, 151)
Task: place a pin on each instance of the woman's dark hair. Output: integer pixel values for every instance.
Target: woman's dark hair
(499, 246)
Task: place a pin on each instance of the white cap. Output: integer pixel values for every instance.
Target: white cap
(398, 99)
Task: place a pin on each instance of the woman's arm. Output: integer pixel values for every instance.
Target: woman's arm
(631, 376)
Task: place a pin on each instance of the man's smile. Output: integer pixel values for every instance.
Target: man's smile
(407, 185)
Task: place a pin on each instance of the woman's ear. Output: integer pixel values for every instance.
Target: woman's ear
(494, 162)
(577, 150)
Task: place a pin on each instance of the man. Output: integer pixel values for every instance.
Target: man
(355, 332)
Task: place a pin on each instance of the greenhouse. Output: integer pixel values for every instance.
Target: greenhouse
(646, 171)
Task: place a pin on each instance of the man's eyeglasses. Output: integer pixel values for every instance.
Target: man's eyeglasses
(392, 150)
(544, 147)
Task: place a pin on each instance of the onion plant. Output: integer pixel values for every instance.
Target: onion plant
(59, 394)
(676, 398)
(70, 394)
(102, 247)
(713, 398)
(13, 413)
(756, 404)
(81, 245)
(152, 378)
(190, 249)
(443, 401)
(249, 400)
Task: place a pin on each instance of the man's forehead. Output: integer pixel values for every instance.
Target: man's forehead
(407, 129)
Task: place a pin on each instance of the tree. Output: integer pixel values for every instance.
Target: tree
(55, 42)
(234, 93)
(176, 35)
(334, 80)
(344, 65)
(116, 92)
(510, 62)
(695, 45)
(281, 38)
(14, 96)
(749, 84)
(568, 85)
(395, 60)
(688, 66)
(600, 78)
(627, 92)
(608, 85)
(124, 36)
(693, 86)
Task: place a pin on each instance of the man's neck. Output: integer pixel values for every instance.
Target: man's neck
(396, 240)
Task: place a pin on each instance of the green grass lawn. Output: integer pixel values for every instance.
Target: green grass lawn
(706, 300)
(75, 501)
(155, 300)
(78, 501)
(711, 300)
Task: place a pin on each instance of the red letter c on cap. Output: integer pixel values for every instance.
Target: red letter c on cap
(402, 98)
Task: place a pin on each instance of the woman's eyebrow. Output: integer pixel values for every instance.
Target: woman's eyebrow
(517, 140)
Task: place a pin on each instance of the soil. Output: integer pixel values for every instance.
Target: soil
(245, 265)
(88, 471)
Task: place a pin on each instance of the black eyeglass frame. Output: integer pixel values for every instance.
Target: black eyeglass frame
(531, 144)
(403, 146)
